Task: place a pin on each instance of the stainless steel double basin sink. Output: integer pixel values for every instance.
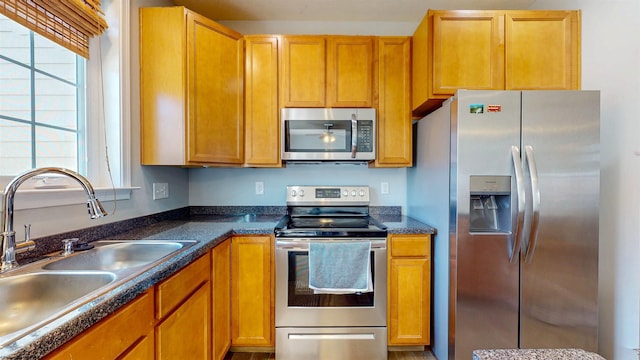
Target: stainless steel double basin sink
(36, 294)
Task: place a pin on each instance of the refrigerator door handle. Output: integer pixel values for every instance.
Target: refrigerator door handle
(530, 160)
(518, 213)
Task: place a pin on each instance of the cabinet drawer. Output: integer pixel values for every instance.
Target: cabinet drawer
(410, 245)
(174, 290)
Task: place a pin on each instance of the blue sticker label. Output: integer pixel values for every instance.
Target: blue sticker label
(476, 108)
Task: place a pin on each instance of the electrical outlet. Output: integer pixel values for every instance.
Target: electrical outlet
(259, 188)
(384, 187)
(160, 191)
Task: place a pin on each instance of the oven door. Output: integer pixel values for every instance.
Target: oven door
(297, 305)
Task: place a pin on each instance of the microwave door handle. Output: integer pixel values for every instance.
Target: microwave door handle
(354, 135)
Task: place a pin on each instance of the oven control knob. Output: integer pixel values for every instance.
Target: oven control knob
(345, 193)
(293, 193)
(353, 193)
(361, 193)
(301, 192)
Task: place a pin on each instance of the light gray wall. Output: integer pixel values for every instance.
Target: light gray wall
(237, 186)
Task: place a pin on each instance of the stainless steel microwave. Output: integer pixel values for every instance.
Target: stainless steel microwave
(328, 134)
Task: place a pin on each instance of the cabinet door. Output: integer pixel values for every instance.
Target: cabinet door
(185, 334)
(468, 51)
(409, 303)
(163, 103)
(215, 86)
(252, 282)
(142, 350)
(221, 287)
(128, 331)
(349, 71)
(171, 292)
(421, 65)
(262, 126)
(393, 73)
(303, 68)
(542, 50)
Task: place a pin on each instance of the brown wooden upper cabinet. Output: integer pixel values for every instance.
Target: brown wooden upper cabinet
(326, 71)
(262, 125)
(191, 89)
(487, 49)
(393, 77)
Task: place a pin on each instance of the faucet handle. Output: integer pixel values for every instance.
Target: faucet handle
(67, 246)
(27, 232)
(27, 244)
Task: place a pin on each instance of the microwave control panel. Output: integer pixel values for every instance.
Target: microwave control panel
(365, 135)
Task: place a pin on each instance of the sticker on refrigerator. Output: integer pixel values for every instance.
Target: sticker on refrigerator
(476, 108)
(494, 108)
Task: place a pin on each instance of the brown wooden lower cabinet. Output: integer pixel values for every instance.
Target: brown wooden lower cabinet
(142, 350)
(226, 298)
(181, 328)
(185, 333)
(252, 291)
(128, 333)
(221, 307)
(183, 311)
(192, 314)
(409, 290)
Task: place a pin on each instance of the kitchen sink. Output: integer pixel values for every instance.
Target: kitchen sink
(38, 293)
(117, 255)
(28, 299)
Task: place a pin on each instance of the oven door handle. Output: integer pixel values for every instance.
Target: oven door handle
(357, 336)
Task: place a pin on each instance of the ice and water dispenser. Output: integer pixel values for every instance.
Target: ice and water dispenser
(490, 204)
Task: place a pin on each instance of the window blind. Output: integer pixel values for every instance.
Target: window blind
(70, 23)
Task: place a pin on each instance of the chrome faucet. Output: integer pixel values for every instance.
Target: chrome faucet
(8, 239)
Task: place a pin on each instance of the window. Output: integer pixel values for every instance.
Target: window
(42, 92)
(102, 116)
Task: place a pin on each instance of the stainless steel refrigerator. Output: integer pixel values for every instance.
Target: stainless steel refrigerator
(510, 180)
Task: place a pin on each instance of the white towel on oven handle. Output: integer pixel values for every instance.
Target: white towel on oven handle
(340, 267)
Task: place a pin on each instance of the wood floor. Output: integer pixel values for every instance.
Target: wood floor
(393, 355)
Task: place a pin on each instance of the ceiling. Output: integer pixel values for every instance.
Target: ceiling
(337, 10)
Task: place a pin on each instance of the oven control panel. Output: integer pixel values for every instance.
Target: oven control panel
(335, 195)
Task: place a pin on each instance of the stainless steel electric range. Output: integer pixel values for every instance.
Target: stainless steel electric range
(319, 325)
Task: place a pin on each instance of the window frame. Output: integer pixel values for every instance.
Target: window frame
(107, 125)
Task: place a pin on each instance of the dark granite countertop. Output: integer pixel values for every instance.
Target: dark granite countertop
(207, 229)
(535, 354)
(400, 224)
